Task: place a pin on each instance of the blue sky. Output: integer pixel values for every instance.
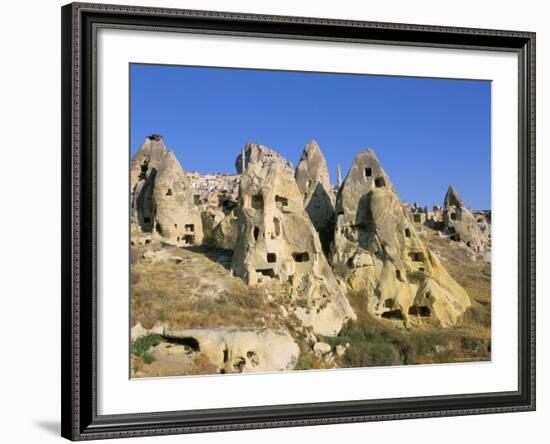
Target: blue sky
(427, 133)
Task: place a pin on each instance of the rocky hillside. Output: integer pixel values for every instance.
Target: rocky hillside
(273, 268)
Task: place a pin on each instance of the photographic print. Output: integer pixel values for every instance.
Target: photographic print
(290, 221)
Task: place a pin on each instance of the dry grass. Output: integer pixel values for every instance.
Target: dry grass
(197, 292)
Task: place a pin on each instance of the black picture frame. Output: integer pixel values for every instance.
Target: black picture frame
(80, 22)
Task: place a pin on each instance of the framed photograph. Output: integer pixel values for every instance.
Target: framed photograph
(278, 221)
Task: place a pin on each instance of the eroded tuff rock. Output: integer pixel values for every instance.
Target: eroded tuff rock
(462, 226)
(254, 153)
(276, 240)
(161, 199)
(144, 168)
(241, 351)
(378, 252)
(312, 178)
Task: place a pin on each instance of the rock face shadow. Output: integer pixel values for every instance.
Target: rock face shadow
(216, 255)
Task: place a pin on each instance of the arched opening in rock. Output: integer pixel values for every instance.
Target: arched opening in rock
(420, 310)
(407, 232)
(398, 274)
(169, 192)
(269, 272)
(239, 364)
(379, 182)
(281, 201)
(253, 358)
(190, 227)
(368, 172)
(189, 342)
(416, 256)
(271, 258)
(277, 225)
(258, 202)
(256, 233)
(300, 257)
(393, 314)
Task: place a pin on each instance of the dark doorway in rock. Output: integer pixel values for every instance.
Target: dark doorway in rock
(258, 202)
(271, 258)
(301, 257)
(281, 201)
(453, 216)
(256, 233)
(189, 341)
(420, 310)
(189, 239)
(269, 272)
(416, 256)
(407, 232)
(398, 274)
(277, 225)
(146, 220)
(379, 182)
(169, 192)
(190, 227)
(393, 314)
(368, 172)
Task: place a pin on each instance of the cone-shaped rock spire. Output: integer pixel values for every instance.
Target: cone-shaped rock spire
(376, 250)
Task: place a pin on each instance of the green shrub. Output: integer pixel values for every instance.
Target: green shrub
(141, 345)
(148, 358)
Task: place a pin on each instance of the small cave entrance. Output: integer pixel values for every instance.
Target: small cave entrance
(301, 257)
(455, 237)
(146, 220)
(169, 192)
(189, 341)
(407, 232)
(256, 233)
(277, 225)
(271, 258)
(190, 227)
(368, 172)
(379, 182)
(393, 314)
(257, 202)
(398, 274)
(269, 272)
(189, 239)
(416, 256)
(420, 310)
(281, 201)
(453, 216)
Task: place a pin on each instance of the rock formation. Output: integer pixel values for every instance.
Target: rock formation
(276, 240)
(378, 252)
(253, 152)
(161, 199)
(312, 178)
(462, 226)
(242, 351)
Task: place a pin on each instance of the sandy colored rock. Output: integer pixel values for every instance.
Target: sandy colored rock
(224, 234)
(254, 153)
(241, 351)
(177, 219)
(462, 226)
(312, 178)
(276, 240)
(377, 251)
